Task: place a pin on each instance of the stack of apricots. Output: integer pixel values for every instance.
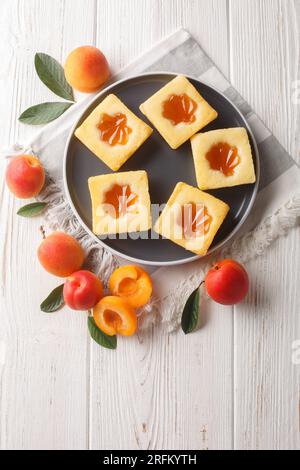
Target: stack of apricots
(61, 255)
(130, 286)
(86, 70)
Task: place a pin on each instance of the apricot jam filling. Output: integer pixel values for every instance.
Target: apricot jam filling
(223, 157)
(195, 220)
(114, 129)
(179, 108)
(120, 198)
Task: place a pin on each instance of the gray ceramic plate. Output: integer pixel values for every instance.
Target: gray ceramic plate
(165, 167)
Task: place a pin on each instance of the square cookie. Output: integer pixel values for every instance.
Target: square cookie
(178, 111)
(112, 132)
(223, 158)
(120, 202)
(191, 218)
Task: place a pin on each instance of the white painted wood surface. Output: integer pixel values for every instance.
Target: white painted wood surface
(232, 384)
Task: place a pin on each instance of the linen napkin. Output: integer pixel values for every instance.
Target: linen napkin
(276, 209)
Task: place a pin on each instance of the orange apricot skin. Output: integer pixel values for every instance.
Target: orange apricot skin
(60, 254)
(138, 282)
(227, 282)
(25, 176)
(127, 318)
(82, 290)
(86, 69)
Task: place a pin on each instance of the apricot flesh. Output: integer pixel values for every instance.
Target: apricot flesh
(114, 315)
(132, 284)
(86, 69)
(25, 176)
(60, 254)
(82, 290)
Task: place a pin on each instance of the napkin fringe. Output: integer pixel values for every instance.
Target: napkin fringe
(59, 216)
(242, 249)
(167, 310)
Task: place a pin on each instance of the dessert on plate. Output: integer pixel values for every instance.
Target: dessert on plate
(191, 218)
(223, 158)
(120, 202)
(178, 111)
(113, 132)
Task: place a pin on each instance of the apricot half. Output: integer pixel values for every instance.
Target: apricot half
(114, 315)
(131, 283)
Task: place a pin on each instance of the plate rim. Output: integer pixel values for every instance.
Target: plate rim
(138, 260)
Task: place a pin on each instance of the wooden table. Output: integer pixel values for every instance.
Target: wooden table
(231, 385)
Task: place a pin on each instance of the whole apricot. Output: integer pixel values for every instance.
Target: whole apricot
(82, 290)
(131, 283)
(227, 282)
(25, 176)
(114, 315)
(60, 254)
(86, 69)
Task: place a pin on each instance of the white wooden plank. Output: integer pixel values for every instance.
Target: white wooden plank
(165, 391)
(263, 68)
(162, 391)
(44, 383)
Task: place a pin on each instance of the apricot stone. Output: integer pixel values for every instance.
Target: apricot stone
(86, 69)
(60, 254)
(25, 176)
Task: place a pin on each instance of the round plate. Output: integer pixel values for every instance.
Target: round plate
(165, 167)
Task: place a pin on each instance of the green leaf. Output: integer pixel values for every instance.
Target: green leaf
(109, 342)
(52, 75)
(54, 301)
(43, 113)
(30, 210)
(190, 314)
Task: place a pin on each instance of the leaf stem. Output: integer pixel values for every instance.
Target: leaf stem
(42, 230)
